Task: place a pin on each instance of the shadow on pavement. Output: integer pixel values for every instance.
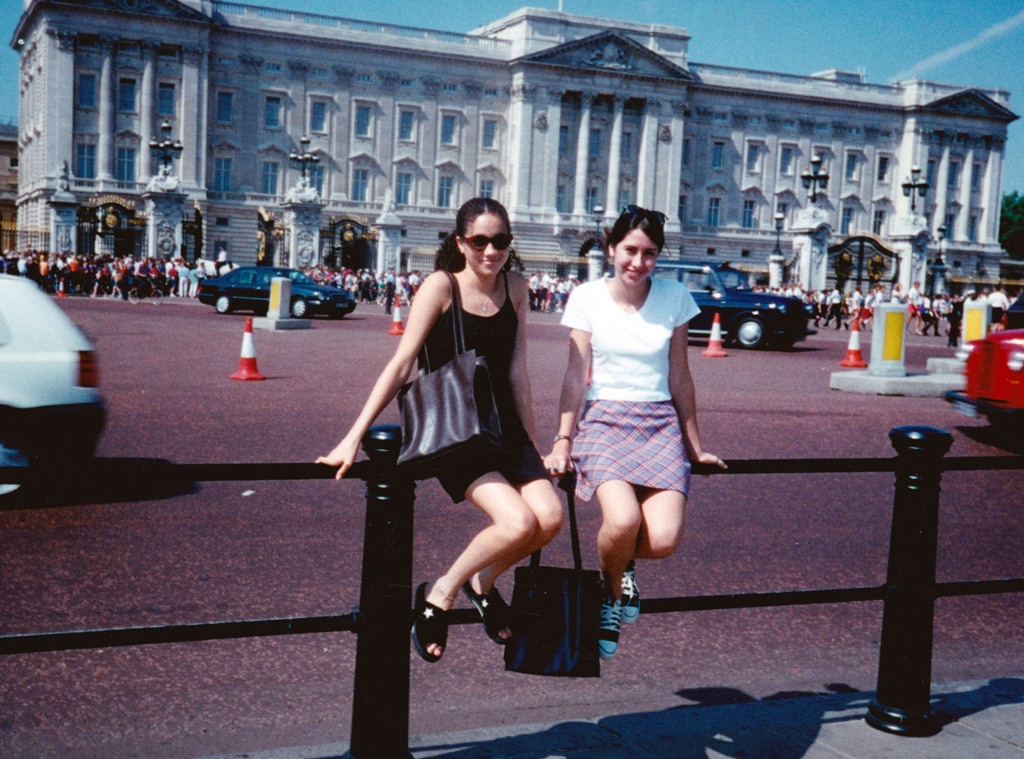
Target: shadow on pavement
(724, 721)
(102, 480)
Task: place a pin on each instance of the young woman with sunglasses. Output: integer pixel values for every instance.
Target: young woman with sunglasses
(517, 495)
(633, 442)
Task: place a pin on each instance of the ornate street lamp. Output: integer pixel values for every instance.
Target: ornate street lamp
(912, 184)
(814, 176)
(598, 215)
(166, 149)
(779, 220)
(939, 265)
(303, 160)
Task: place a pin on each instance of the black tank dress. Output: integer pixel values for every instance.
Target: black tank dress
(494, 337)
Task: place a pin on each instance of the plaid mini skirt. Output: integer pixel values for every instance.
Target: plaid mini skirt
(638, 442)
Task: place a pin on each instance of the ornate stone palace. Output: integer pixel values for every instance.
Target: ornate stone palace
(164, 127)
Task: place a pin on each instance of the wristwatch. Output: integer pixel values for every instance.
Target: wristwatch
(561, 437)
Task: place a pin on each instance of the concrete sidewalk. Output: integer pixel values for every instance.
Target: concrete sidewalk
(981, 720)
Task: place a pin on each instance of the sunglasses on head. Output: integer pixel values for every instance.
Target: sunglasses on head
(636, 212)
(499, 241)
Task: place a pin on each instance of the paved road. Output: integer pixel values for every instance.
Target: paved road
(238, 550)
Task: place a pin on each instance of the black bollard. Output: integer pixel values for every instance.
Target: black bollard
(380, 707)
(902, 703)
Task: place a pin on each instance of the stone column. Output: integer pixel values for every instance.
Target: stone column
(302, 228)
(646, 169)
(63, 217)
(579, 197)
(964, 198)
(163, 228)
(146, 113)
(611, 203)
(105, 141)
(389, 241)
(811, 235)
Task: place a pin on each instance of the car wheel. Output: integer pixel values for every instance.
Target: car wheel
(11, 455)
(223, 305)
(299, 308)
(749, 333)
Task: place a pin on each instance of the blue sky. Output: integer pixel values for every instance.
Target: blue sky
(961, 42)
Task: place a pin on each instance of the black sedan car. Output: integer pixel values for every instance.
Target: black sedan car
(247, 288)
(749, 319)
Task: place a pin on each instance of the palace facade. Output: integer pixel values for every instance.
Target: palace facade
(563, 118)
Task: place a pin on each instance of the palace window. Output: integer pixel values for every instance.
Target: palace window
(364, 121)
(878, 223)
(594, 146)
(165, 99)
(126, 95)
(445, 187)
(846, 222)
(786, 161)
(490, 135)
(318, 116)
(85, 161)
(225, 107)
(403, 188)
(749, 206)
(717, 155)
(883, 168)
(126, 164)
(270, 172)
(360, 184)
(448, 129)
(272, 112)
(222, 175)
(714, 211)
(486, 188)
(86, 90)
(406, 125)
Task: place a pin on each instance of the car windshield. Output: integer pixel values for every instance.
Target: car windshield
(733, 280)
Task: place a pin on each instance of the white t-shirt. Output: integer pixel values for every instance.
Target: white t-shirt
(630, 352)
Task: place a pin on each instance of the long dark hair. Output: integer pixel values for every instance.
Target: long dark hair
(633, 217)
(450, 258)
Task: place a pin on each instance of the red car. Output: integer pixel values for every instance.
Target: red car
(995, 380)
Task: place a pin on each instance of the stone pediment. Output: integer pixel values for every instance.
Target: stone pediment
(972, 103)
(611, 52)
(163, 8)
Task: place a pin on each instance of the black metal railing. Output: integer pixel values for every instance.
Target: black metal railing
(381, 621)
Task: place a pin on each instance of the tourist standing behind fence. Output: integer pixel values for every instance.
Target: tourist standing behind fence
(638, 429)
(515, 494)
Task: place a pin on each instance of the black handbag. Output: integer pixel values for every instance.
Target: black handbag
(450, 407)
(555, 614)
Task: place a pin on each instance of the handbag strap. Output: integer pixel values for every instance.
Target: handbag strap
(458, 329)
(568, 484)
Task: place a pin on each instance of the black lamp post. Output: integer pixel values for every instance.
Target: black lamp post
(914, 186)
(939, 265)
(303, 160)
(165, 149)
(779, 219)
(814, 176)
(598, 215)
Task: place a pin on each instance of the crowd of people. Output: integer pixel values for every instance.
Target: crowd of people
(937, 314)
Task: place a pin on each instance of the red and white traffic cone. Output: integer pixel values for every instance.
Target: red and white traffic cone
(715, 349)
(853, 357)
(60, 289)
(247, 363)
(396, 317)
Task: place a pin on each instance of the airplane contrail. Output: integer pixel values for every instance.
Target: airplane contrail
(952, 53)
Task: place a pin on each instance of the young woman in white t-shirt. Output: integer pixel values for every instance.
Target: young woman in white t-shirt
(633, 440)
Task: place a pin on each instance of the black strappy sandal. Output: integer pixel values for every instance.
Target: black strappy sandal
(430, 626)
(494, 612)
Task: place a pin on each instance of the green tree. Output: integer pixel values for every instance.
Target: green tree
(1011, 225)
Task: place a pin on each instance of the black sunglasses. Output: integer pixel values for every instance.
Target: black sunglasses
(636, 212)
(499, 241)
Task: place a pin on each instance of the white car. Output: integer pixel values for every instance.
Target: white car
(51, 410)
